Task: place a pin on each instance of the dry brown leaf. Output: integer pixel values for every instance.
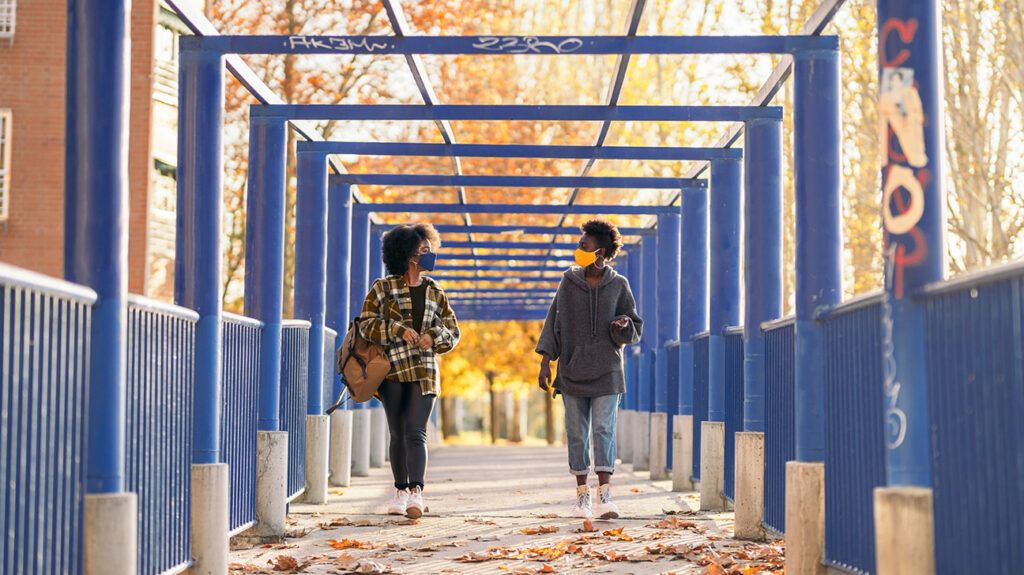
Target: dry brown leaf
(617, 533)
(279, 546)
(476, 557)
(539, 530)
(476, 521)
(349, 544)
(635, 490)
(286, 564)
(244, 568)
(371, 568)
(588, 526)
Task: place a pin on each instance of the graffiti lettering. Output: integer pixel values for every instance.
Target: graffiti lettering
(335, 44)
(895, 418)
(527, 45)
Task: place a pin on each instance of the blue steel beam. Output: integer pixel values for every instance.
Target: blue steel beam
(501, 291)
(339, 265)
(560, 230)
(501, 278)
(724, 310)
(913, 219)
(558, 113)
(440, 180)
(667, 400)
(520, 151)
(762, 260)
(310, 299)
(97, 249)
(693, 287)
(504, 257)
(530, 45)
(517, 209)
(510, 245)
(819, 245)
(649, 338)
(487, 268)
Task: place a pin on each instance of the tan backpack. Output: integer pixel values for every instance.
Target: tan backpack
(363, 365)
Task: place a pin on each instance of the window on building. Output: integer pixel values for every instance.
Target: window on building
(8, 8)
(5, 163)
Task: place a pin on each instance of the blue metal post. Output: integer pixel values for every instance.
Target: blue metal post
(97, 207)
(913, 203)
(668, 304)
(693, 287)
(339, 236)
(630, 266)
(264, 256)
(376, 271)
(360, 243)
(649, 339)
(818, 235)
(311, 265)
(197, 263)
(724, 310)
(762, 261)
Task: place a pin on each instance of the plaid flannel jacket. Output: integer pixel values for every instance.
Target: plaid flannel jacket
(387, 312)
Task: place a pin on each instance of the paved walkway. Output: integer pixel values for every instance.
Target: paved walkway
(505, 509)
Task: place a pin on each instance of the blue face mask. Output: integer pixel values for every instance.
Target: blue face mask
(428, 261)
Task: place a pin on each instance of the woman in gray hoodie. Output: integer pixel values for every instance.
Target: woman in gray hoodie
(592, 317)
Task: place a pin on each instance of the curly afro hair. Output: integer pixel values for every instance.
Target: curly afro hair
(401, 243)
(606, 234)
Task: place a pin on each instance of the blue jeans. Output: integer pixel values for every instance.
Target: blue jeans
(583, 414)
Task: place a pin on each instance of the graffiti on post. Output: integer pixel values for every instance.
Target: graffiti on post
(895, 417)
(527, 45)
(901, 122)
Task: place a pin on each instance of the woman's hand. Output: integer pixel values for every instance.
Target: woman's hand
(426, 342)
(620, 323)
(411, 337)
(544, 378)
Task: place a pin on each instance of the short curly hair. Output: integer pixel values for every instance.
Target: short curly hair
(401, 243)
(607, 236)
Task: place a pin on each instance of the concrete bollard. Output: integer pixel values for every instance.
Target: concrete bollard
(805, 518)
(378, 439)
(210, 518)
(712, 466)
(318, 435)
(360, 442)
(625, 433)
(658, 461)
(271, 484)
(642, 441)
(110, 534)
(682, 453)
(341, 448)
(904, 531)
(750, 486)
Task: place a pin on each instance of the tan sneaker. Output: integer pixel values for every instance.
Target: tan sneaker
(583, 507)
(605, 508)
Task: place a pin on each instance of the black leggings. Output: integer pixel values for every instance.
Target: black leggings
(407, 411)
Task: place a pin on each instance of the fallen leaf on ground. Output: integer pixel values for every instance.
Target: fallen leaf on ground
(476, 557)
(349, 544)
(371, 568)
(548, 516)
(674, 523)
(617, 534)
(346, 522)
(588, 526)
(635, 490)
(476, 521)
(235, 568)
(539, 530)
(279, 546)
(285, 564)
(486, 538)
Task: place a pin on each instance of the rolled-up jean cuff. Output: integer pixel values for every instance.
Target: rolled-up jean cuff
(584, 472)
(610, 470)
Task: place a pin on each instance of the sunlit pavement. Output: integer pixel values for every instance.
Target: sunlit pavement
(483, 503)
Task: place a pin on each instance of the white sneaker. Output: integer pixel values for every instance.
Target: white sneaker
(583, 505)
(606, 508)
(414, 508)
(398, 502)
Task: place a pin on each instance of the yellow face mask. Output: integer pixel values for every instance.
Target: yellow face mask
(584, 259)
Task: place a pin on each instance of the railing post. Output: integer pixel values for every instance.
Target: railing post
(357, 293)
(97, 256)
(625, 433)
(913, 202)
(693, 319)
(668, 332)
(264, 293)
(378, 421)
(648, 342)
(339, 226)
(762, 277)
(723, 312)
(310, 304)
(818, 284)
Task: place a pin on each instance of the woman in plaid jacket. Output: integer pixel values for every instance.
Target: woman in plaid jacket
(408, 314)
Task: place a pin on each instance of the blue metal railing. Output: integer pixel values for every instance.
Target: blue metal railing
(328, 386)
(294, 391)
(975, 335)
(44, 332)
(672, 361)
(733, 403)
(240, 346)
(855, 456)
(158, 439)
(780, 425)
(700, 395)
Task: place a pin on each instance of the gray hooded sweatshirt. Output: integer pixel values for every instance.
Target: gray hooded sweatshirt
(578, 333)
